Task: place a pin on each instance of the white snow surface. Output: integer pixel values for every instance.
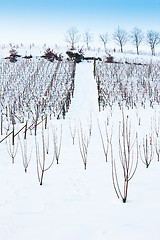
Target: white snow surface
(73, 203)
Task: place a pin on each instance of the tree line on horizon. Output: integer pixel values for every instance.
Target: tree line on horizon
(120, 37)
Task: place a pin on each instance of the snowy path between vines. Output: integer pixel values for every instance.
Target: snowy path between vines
(73, 203)
(85, 101)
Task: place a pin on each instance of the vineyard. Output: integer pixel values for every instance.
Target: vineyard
(36, 87)
(96, 128)
(131, 85)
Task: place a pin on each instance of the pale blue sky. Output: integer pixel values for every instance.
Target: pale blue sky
(46, 21)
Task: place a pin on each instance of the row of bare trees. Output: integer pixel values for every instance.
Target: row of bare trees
(46, 151)
(35, 87)
(131, 84)
(123, 146)
(120, 36)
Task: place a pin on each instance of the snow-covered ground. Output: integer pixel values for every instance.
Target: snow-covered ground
(74, 203)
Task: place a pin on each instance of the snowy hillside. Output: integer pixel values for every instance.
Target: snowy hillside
(74, 202)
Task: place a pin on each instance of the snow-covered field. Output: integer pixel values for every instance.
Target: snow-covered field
(74, 203)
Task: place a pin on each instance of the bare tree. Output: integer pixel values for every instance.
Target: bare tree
(87, 38)
(24, 151)
(148, 153)
(72, 36)
(153, 39)
(73, 130)
(57, 143)
(41, 158)
(106, 140)
(137, 37)
(11, 148)
(120, 37)
(104, 39)
(84, 140)
(126, 156)
(156, 137)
